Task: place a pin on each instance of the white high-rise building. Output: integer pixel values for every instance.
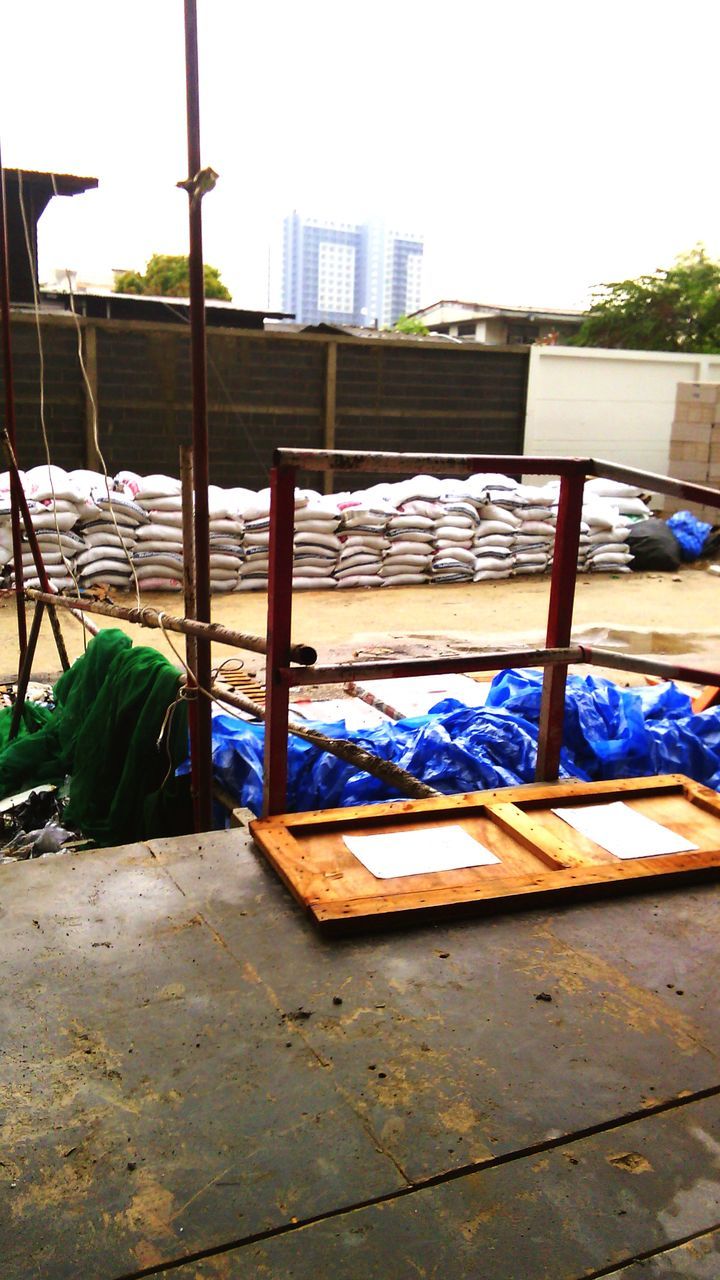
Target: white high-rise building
(349, 273)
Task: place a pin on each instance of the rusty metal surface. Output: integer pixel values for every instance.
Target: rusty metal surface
(187, 1065)
(571, 1212)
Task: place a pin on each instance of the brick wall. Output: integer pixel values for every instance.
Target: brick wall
(264, 390)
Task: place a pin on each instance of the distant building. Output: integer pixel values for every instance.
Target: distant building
(499, 326)
(349, 273)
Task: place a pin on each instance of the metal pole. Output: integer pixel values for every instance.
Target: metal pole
(199, 428)
(282, 513)
(158, 619)
(25, 670)
(191, 694)
(559, 629)
(31, 536)
(10, 415)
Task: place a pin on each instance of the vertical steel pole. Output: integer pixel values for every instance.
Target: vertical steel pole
(10, 418)
(559, 628)
(186, 476)
(200, 427)
(282, 515)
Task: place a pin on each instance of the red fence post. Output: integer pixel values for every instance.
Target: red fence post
(559, 628)
(282, 518)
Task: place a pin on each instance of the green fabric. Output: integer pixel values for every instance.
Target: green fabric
(110, 710)
(34, 716)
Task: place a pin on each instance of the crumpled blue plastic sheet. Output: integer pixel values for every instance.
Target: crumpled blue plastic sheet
(690, 532)
(610, 732)
(463, 749)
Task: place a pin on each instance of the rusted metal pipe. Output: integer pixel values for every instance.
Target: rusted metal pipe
(647, 666)
(26, 670)
(559, 626)
(279, 623)
(147, 616)
(10, 421)
(443, 464)
(649, 482)
(201, 476)
(496, 660)
(186, 477)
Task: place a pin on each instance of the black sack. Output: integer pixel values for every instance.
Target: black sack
(654, 546)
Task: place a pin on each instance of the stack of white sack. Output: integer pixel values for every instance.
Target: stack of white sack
(609, 511)
(108, 525)
(55, 506)
(495, 534)
(455, 533)
(363, 536)
(535, 535)
(255, 512)
(316, 545)
(227, 531)
(158, 555)
(413, 504)
(407, 562)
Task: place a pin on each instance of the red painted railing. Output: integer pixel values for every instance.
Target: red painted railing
(555, 658)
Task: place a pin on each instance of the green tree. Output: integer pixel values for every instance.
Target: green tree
(674, 309)
(168, 276)
(409, 324)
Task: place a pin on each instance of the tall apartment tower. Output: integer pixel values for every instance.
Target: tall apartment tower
(349, 273)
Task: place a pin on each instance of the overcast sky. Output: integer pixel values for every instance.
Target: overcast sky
(539, 148)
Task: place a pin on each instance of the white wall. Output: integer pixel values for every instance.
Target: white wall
(590, 402)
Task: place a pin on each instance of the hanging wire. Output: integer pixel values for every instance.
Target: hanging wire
(41, 363)
(94, 418)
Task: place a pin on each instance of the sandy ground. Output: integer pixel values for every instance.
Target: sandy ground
(672, 614)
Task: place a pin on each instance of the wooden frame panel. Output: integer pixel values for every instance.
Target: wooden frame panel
(539, 854)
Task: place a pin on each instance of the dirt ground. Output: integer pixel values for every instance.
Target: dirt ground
(647, 613)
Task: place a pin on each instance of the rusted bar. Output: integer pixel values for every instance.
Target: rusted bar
(59, 639)
(648, 666)
(351, 752)
(649, 482)
(149, 617)
(497, 660)
(10, 424)
(34, 548)
(186, 478)
(26, 670)
(441, 464)
(559, 628)
(201, 475)
(279, 623)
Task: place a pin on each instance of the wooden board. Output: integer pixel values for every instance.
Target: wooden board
(538, 853)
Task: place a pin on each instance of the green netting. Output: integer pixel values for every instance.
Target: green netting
(110, 710)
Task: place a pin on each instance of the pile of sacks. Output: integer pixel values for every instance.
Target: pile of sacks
(609, 512)
(126, 530)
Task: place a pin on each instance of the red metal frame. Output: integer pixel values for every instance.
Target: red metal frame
(555, 658)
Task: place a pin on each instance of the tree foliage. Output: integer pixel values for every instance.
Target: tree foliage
(674, 309)
(410, 324)
(168, 276)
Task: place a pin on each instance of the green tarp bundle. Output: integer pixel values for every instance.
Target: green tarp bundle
(110, 710)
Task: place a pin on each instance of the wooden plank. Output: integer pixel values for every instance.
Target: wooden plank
(538, 853)
(549, 848)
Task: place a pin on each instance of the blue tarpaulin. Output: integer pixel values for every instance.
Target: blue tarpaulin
(610, 732)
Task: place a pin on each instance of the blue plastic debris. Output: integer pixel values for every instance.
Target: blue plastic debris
(610, 732)
(690, 532)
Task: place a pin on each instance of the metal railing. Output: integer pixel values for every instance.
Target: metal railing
(558, 653)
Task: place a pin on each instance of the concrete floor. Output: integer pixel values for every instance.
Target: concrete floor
(195, 1084)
